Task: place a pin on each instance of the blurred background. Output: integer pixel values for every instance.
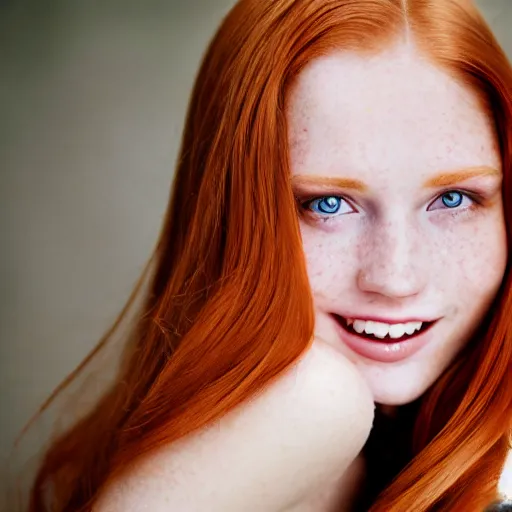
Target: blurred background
(93, 96)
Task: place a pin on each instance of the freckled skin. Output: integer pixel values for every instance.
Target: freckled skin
(393, 121)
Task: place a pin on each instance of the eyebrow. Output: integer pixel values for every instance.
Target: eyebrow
(443, 179)
(326, 182)
(447, 179)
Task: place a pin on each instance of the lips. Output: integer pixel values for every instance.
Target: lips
(384, 348)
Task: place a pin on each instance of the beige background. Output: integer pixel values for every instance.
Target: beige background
(92, 101)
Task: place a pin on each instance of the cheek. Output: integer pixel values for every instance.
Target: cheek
(330, 258)
(470, 261)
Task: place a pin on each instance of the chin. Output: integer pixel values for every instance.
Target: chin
(395, 399)
(393, 390)
(394, 383)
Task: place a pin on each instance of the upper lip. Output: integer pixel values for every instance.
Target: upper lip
(389, 320)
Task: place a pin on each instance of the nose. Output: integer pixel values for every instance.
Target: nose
(393, 261)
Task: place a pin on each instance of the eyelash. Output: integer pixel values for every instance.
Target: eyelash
(455, 211)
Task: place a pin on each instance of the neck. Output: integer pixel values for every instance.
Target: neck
(387, 451)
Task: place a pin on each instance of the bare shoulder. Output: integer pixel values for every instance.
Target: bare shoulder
(304, 430)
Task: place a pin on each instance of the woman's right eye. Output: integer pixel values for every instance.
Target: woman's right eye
(328, 206)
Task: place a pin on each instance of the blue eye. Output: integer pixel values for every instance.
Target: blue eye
(328, 206)
(451, 200)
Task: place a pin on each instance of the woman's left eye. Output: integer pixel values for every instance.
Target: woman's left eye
(328, 206)
(451, 200)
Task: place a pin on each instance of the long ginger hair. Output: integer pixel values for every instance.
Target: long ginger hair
(228, 307)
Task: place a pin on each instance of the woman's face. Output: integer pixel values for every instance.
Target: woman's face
(397, 171)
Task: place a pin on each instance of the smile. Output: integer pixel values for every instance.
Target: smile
(383, 331)
(384, 341)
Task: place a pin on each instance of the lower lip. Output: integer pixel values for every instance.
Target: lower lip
(384, 352)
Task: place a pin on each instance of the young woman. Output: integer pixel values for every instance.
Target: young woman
(338, 237)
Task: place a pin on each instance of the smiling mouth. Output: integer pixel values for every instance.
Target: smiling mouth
(381, 332)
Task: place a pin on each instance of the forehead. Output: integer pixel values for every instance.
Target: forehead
(352, 114)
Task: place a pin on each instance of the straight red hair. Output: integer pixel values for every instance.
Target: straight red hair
(229, 306)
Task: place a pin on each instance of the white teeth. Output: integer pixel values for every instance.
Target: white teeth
(359, 326)
(412, 327)
(369, 328)
(398, 330)
(381, 330)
